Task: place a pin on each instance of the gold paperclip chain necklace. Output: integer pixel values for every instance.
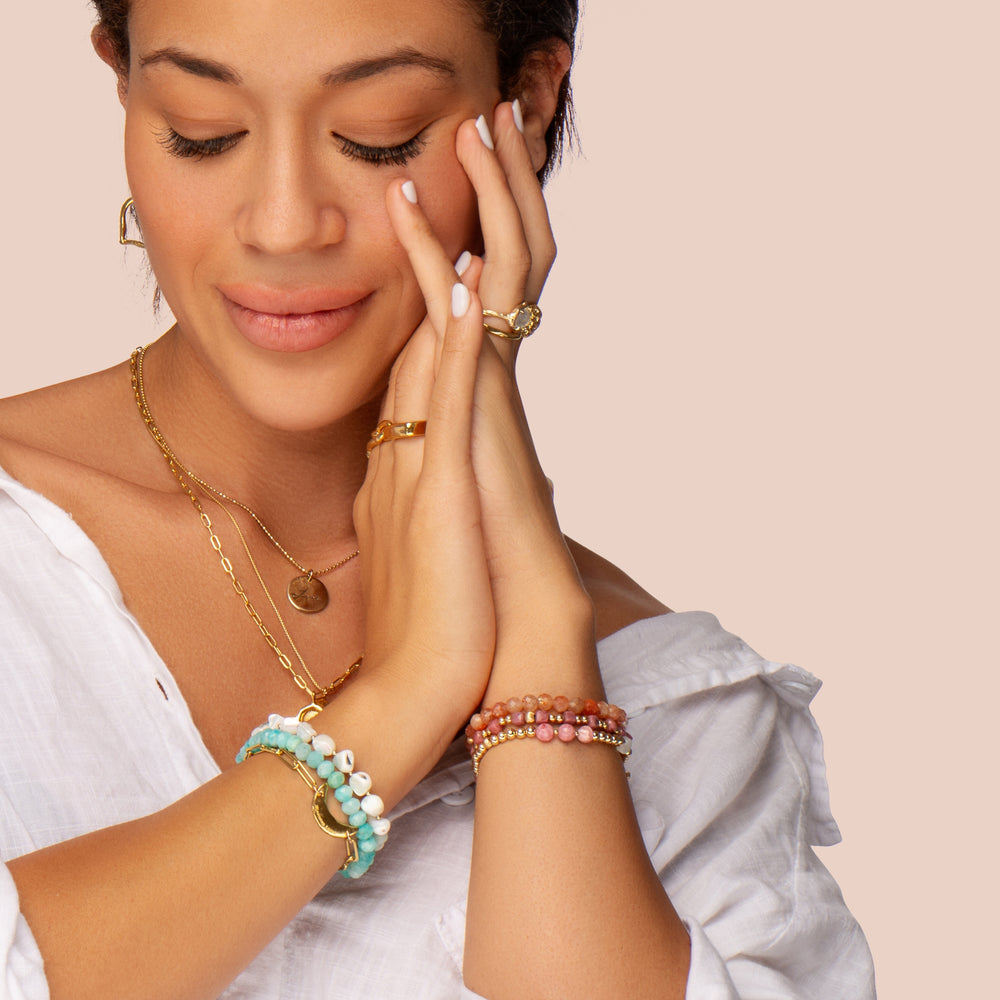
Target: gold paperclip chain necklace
(318, 694)
(306, 593)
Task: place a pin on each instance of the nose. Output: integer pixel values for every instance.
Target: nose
(290, 205)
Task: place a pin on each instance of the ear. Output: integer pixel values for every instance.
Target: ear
(540, 82)
(104, 47)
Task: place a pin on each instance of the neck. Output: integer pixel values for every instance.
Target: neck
(300, 482)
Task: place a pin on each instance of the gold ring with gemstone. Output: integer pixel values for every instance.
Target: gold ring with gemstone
(523, 320)
(388, 431)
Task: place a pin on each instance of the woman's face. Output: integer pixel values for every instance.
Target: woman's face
(260, 138)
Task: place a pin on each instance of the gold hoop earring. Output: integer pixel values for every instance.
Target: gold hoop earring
(123, 238)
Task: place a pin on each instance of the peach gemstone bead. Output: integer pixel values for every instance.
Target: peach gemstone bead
(499, 710)
(618, 714)
(602, 709)
(590, 707)
(515, 705)
(560, 704)
(545, 701)
(576, 706)
(544, 732)
(477, 722)
(567, 733)
(530, 703)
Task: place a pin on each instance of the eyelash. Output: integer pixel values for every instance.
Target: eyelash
(377, 156)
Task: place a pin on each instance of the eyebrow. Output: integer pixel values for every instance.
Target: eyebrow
(361, 69)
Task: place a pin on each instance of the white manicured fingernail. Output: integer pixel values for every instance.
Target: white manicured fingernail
(460, 300)
(463, 262)
(484, 132)
(518, 117)
(410, 192)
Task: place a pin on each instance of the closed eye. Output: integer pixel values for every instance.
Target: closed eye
(180, 145)
(382, 156)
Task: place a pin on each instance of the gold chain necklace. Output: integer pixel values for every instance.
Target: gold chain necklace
(318, 695)
(306, 593)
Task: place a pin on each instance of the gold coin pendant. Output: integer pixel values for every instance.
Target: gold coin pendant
(307, 594)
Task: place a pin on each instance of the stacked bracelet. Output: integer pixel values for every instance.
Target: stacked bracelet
(545, 718)
(308, 753)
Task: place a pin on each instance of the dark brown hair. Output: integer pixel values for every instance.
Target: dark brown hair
(522, 29)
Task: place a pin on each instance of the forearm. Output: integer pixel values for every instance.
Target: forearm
(559, 871)
(176, 904)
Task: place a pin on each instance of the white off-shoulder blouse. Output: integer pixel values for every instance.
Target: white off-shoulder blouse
(727, 777)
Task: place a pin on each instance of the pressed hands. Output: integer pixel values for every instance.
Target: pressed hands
(472, 597)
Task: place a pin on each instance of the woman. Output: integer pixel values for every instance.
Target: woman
(310, 179)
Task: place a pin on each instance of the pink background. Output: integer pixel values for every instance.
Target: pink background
(765, 384)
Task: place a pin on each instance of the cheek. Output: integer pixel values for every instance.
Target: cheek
(449, 201)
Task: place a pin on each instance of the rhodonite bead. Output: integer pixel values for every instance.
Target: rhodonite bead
(569, 717)
(541, 715)
(517, 718)
(593, 721)
(494, 726)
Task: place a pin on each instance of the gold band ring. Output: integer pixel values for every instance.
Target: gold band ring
(388, 431)
(523, 320)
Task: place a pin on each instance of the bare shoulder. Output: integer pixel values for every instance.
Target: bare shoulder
(66, 428)
(618, 599)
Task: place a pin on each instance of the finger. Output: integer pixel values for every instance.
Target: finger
(434, 271)
(407, 398)
(449, 420)
(512, 152)
(507, 257)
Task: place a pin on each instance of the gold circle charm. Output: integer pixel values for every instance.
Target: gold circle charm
(307, 593)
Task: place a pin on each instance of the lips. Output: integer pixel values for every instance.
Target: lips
(292, 320)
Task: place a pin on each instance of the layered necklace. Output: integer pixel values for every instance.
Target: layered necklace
(306, 592)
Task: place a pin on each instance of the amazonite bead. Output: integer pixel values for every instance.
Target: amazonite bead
(291, 742)
(335, 780)
(303, 750)
(366, 846)
(357, 818)
(324, 769)
(314, 759)
(343, 793)
(350, 806)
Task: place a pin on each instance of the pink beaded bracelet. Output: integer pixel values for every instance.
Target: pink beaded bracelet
(545, 718)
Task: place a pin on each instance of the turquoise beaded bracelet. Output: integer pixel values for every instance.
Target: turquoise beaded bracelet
(307, 753)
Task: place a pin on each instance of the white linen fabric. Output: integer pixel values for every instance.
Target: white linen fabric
(727, 777)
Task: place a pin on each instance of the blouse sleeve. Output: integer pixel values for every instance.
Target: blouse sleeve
(730, 790)
(22, 976)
